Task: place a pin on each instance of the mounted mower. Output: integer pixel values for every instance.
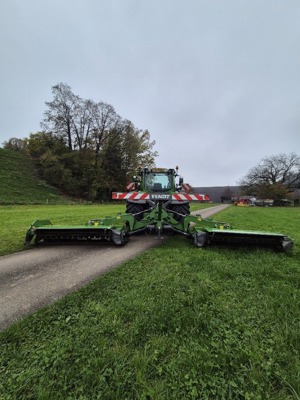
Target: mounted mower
(156, 203)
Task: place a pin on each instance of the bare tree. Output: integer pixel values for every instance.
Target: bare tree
(104, 125)
(277, 171)
(97, 148)
(82, 123)
(61, 113)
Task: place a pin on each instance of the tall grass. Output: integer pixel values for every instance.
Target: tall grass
(175, 323)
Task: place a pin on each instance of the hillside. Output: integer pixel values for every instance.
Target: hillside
(19, 183)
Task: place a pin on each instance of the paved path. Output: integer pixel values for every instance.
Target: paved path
(208, 212)
(32, 279)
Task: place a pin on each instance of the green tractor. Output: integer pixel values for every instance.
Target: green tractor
(159, 185)
(155, 203)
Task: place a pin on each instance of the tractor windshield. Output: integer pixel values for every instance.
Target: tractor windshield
(158, 182)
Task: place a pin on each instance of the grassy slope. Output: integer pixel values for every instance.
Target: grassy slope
(175, 323)
(19, 183)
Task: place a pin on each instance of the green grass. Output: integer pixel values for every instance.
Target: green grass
(174, 323)
(277, 219)
(19, 183)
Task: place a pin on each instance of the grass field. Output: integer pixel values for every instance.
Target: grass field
(174, 323)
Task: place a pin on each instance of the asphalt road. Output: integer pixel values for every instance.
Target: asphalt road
(35, 278)
(209, 212)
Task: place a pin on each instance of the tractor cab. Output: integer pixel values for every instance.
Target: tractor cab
(158, 180)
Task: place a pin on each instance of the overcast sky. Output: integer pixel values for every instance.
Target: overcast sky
(216, 82)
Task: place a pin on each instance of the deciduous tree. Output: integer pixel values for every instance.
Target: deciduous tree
(275, 176)
(61, 113)
(86, 148)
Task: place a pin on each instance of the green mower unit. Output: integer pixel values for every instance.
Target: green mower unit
(155, 203)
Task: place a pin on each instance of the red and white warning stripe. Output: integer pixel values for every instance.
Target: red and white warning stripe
(130, 186)
(186, 187)
(130, 196)
(146, 196)
(190, 197)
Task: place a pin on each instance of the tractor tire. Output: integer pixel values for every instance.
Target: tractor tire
(183, 209)
(135, 208)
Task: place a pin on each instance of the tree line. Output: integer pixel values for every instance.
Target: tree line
(85, 148)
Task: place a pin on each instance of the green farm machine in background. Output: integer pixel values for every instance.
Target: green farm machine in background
(156, 201)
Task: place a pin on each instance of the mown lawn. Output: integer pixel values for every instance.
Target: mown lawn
(177, 322)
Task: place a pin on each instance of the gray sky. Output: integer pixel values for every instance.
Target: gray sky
(216, 82)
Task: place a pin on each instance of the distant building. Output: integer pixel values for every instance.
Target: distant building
(224, 194)
(219, 194)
